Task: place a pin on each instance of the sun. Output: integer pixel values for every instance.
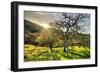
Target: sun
(45, 26)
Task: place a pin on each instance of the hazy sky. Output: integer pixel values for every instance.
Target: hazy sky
(43, 18)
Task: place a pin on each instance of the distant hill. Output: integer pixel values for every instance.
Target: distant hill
(30, 27)
(30, 30)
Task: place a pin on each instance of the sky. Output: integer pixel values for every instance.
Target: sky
(44, 18)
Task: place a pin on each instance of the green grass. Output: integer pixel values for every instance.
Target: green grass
(37, 53)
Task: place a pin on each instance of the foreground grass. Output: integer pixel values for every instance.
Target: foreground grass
(35, 53)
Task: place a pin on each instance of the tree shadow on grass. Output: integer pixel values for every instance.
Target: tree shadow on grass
(80, 55)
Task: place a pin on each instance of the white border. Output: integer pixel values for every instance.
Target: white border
(22, 64)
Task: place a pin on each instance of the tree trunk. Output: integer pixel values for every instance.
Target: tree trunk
(65, 49)
(50, 46)
(65, 42)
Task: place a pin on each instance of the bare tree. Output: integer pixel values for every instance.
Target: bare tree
(69, 23)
